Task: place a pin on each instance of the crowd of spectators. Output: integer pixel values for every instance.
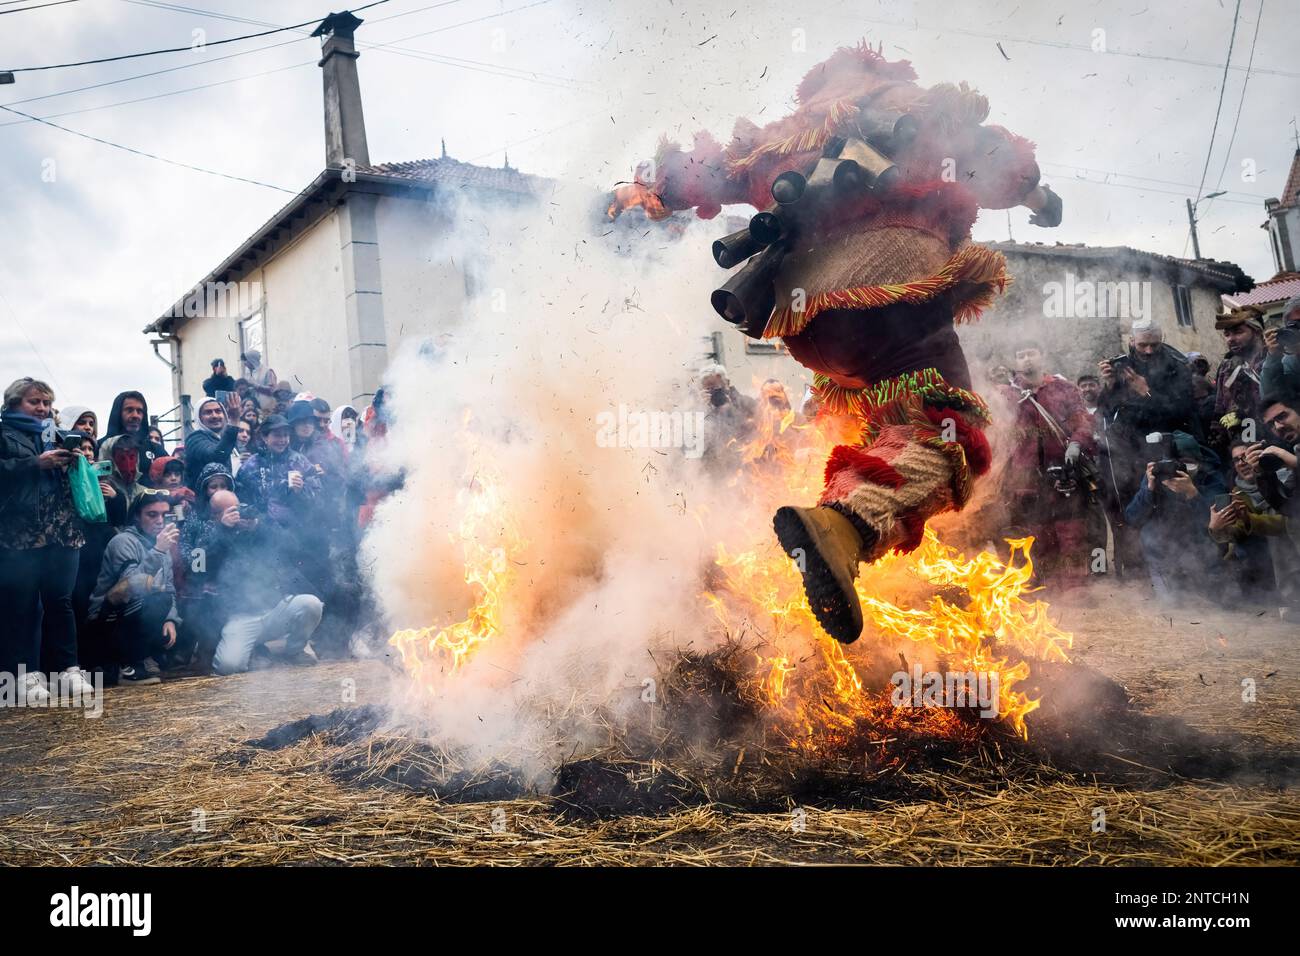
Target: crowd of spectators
(1149, 465)
(1156, 465)
(235, 548)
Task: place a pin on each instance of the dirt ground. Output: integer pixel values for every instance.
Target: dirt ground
(155, 779)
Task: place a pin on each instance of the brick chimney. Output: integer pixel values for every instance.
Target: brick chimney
(345, 125)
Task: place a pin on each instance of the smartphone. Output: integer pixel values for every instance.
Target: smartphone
(171, 517)
(1222, 501)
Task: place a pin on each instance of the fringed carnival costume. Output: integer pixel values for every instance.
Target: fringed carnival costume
(860, 260)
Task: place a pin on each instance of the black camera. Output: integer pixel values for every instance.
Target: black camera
(1119, 363)
(1169, 468)
(1288, 337)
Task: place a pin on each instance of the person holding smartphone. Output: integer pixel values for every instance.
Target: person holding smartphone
(40, 541)
(1252, 535)
(133, 608)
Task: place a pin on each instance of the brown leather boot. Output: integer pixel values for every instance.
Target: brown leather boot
(827, 548)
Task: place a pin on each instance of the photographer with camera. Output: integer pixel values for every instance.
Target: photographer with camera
(729, 420)
(1171, 511)
(1150, 388)
(1280, 373)
(1051, 475)
(253, 597)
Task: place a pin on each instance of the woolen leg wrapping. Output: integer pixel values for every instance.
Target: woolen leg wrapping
(895, 510)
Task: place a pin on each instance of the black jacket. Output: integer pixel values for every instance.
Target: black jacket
(214, 384)
(1170, 407)
(202, 448)
(149, 451)
(20, 477)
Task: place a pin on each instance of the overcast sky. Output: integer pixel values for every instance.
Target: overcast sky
(94, 240)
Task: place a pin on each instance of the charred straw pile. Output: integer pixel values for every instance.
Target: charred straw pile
(715, 742)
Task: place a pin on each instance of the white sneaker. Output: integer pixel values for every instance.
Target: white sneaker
(73, 684)
(34, 693)
(359, 649)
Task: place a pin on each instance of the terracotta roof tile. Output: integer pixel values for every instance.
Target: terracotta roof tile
(1291, 191)
(1281, 287)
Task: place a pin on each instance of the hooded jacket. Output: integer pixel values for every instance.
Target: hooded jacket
(115, 432)
(213, 470)
(132, 554)
(263, 486)
(204, 447)
(69, 414)
(1173, 529)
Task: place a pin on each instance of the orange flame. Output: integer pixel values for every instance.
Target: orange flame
(489, 540)
(633, 194)
(814, 687)
(993, 629)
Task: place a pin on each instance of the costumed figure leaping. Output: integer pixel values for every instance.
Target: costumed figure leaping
(860, 260)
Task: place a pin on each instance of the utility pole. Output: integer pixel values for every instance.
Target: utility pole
(1191, 218)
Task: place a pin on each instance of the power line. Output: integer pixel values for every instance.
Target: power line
(386, 47)
(37, 352)
(1152, 189)
(140, 152)
(486, 68)
(180, 49)
(56, 3)
(158, 96)
(1149, 179)
(141, 76)
(1259, 17)
(916, 27)
(38, 119)
(1223, 85)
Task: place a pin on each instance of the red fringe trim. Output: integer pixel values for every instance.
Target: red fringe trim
(913, 525)
(979, 456)
(868, 467)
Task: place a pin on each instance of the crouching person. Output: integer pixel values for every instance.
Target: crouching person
(133, 607)
(262, 599)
